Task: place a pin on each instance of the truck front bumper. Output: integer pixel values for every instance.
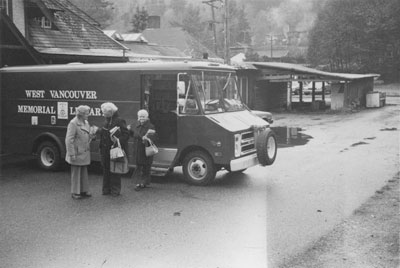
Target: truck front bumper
(244, 162)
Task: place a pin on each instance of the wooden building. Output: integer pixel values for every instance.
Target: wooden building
(14, 48)
(53, 31)
(269, 86)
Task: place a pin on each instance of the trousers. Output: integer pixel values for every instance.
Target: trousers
(142, 174)
(111, 182)
(79, 179)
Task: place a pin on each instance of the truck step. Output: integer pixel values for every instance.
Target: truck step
(159, 172)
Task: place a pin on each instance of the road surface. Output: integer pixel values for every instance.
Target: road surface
(256, 219)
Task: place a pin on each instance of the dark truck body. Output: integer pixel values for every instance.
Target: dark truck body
(39, 101)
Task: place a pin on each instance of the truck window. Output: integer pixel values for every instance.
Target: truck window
(187, 102)
(218, 92)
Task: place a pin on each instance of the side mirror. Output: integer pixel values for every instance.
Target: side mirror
(181, 87)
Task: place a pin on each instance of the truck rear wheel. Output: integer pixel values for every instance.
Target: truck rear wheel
(198, 168)
(48, 156)
(266, 147)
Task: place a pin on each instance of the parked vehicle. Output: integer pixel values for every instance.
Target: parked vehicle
(307, 88)
(200, 119)
(267, 116)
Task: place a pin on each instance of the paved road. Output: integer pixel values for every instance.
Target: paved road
(170, 225)
(313, 187)
(260, 217)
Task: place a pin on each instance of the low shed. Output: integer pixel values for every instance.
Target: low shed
(269, 86)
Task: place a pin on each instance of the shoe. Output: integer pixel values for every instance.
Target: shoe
(86, 194)
(76, 196)
(115, 194)
(138, 187)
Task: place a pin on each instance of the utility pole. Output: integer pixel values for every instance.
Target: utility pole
(226, 27)
(227, 59)
(271, 45)
(271, 40)
(211, 4)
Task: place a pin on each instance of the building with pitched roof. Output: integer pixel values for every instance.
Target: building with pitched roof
(60, 32)
(15, 49)
(141, 50)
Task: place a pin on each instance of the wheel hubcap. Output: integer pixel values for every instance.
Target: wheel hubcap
(47, 157)
(271, 147)
(197, 169)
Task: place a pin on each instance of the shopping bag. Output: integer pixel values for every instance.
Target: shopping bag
(116, 152)
(119, 166)
(151, 149)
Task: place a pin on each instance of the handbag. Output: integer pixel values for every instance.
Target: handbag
(119, 166)
(116, 152)
(151, 149)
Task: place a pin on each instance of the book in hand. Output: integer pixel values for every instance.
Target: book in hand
(114, 130)
(93, 130)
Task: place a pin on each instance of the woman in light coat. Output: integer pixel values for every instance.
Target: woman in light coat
(77, 142)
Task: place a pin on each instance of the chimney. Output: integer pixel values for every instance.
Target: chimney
(154, 22)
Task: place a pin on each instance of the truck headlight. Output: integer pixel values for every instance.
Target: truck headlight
(238, 145)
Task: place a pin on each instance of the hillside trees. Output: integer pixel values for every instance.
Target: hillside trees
(192, 19)
(357, 36)
(239, 27)
(100, 10)
(140, 20)
(155, 7)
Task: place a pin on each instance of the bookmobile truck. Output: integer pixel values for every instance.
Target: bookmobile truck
(201, 122)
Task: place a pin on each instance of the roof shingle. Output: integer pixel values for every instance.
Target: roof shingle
(75, 30)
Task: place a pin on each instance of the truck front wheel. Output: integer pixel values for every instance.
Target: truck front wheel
(266, 147)
(48, 156)
(198, 168)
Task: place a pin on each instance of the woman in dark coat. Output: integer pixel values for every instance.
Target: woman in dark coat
(143, 131)
(111, 181)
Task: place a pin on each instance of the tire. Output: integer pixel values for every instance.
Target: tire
(48, 156)
(198, 168)
(266, 147)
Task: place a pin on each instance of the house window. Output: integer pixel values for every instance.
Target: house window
(4, 6)
(389, 53)
(43, 22)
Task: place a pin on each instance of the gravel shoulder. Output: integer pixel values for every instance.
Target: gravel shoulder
(369, 238)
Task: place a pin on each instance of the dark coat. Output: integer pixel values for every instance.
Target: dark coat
(105, 141)
(139, 152)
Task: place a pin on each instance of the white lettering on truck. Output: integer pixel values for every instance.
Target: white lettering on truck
(93, 111)
(62, 94)
(72, 94)
(36, 94)
(27, 109)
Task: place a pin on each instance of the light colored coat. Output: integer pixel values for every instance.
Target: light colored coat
(77, 142)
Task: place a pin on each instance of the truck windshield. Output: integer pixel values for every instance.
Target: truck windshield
(218, 92)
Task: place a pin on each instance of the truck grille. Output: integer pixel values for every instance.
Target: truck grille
(248, 143)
